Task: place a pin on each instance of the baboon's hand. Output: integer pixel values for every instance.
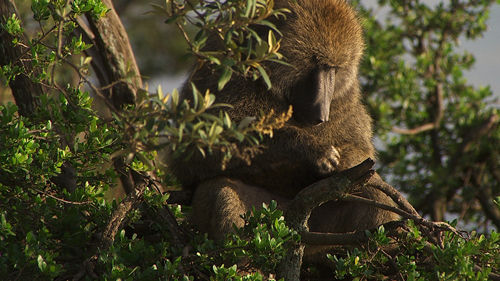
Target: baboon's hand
(329, 161)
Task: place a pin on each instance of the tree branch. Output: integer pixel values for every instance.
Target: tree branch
(332, 188)
(337, 187)
(414, 131)
(114, 57)
(472, 135)
(377, 182)
(484, 196)
(417, 218)
(299, 210)
(24, 90)
(351, 238)
(115, 223)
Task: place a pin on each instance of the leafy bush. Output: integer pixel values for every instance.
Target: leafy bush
(55, 230)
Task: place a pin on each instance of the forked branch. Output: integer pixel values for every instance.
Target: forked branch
(338, 187)
(299, 210)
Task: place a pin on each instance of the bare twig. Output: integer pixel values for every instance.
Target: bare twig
(393, 265)
(180, 237)
(492, 276)
(350, 238)
(114, 224)
(60, 199)
(377, 182)
(321, 238)
(359, 199)
(417, 218)
(414, 131)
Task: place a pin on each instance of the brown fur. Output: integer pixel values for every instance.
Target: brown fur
(317, 34)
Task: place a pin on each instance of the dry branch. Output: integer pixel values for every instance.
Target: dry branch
(112, 57)
(321, 238)
(179, 236)
(377, 182)
(325, 190)
(414, 131)
(121, 211)
(299, 210)
(351, 238)
(339, 187)
(115, 223)
(417, 218)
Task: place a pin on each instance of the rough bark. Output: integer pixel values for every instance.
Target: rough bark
(115, 224)
(299, 210)
(24, 90)
(113, 59)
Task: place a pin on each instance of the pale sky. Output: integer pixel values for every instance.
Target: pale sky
(486, 70)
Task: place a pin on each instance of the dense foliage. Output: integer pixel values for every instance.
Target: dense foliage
(412, 77)
(440, 134)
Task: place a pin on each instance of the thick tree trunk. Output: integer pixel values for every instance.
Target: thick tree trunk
(24, 90)
(113, 59)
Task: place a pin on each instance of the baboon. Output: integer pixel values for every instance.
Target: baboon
(330, 129)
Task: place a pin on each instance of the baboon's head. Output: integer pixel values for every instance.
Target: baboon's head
(322, 40)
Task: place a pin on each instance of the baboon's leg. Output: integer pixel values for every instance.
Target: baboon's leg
(349, 216)
(342, 217)
(219, 203)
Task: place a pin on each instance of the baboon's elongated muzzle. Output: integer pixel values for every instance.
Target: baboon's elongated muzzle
(312, 95)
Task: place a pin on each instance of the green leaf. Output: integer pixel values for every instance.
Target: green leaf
(227, 120)
(227, 72)
(250, 8)
(271, 41)
(264, 76)
(214, 60)
(245, 122)
(42, 265)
